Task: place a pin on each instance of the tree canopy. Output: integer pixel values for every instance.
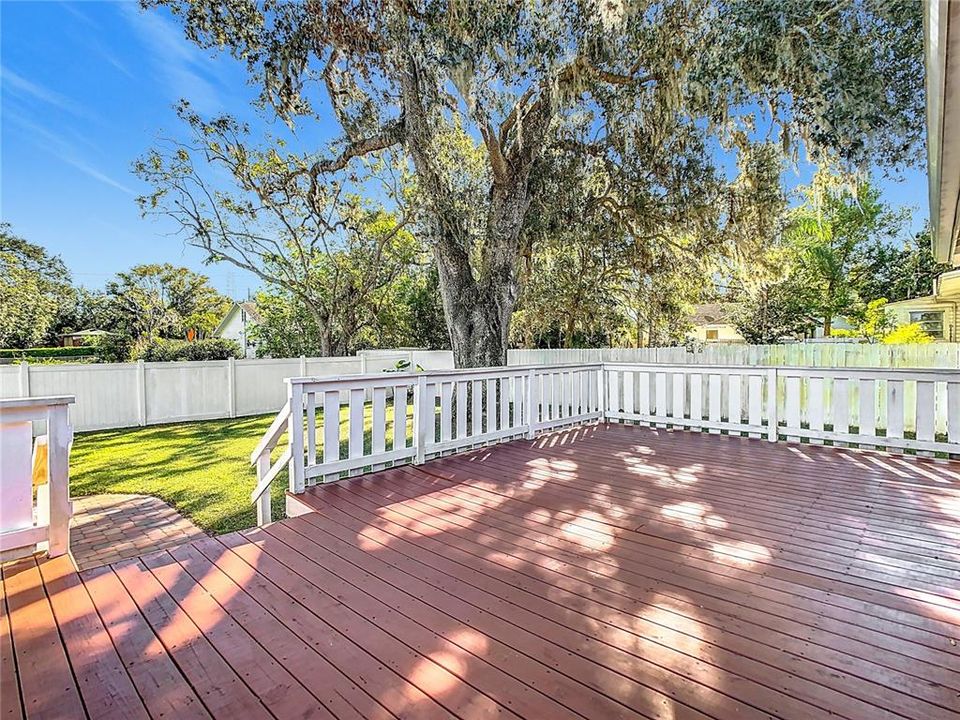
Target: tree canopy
(480, 97)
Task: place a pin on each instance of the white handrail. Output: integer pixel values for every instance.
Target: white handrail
(456, 410)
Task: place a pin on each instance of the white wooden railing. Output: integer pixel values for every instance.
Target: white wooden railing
(34, 518)
(348, 425)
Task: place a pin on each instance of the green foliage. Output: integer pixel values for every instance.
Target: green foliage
(828, 233)
(774, 312)
(114, 348)
(479, 97)
(897, 272)
(34, 290)
(160, 350)
(46, 352)
(909, 334)
(163, 301)
(872, 322)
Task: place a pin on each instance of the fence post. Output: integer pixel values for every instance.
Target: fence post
(532, 410)
(232, 387)
(303, 365)
(773, 422)
(24, 379)
(58, 478)
(141, 393)
(295, 436)
(420, 419)
(363, 361)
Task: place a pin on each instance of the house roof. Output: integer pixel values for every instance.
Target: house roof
(711, 313)
(86, 333)
(247, 306)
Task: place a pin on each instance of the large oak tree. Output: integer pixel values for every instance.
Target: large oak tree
(652, 89)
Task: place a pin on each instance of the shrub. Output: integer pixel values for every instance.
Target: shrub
(180, 350)
(47, 352)
(911, 334)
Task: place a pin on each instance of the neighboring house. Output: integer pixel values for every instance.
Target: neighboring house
(81, 337)
(711, 324)
(236, 325)
(938, 313)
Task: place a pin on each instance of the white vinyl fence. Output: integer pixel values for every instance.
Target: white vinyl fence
(117, 395)
(826, 355)
(455, 410)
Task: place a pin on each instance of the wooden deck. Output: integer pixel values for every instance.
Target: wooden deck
(603, 572)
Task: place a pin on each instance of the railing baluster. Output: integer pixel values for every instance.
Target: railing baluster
(331, 430)
(311, 428)
(867, 415)
(925, 413)
(815, 406)
(491, 425)
(792, 408)
(840, 416)
(953, 414)
(755, 402)
(462, 410)
(735, 401)
(696, 398)
(446, 410)
(518, 401)
(476, 401)
(714, 401)
(378, 426)
(399, 417)
(504, 403)
(355, 442)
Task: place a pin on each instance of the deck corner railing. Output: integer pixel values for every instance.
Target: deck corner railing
(343, 426)
(35, 476)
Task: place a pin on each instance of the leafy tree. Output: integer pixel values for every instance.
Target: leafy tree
(897, 272)
(648, 88)
(827, 235)
(163, 301)
(775, 311)
(333, 254)
(34, 289)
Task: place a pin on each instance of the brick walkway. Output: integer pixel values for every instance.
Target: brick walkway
(109, 528)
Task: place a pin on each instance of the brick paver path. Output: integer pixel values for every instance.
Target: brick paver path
(108, 528)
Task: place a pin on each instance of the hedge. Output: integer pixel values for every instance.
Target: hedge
(47, 352)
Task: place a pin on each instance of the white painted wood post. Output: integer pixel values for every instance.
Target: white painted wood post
(602, 392)
(295, 437)
(420, 419)
(331, 430)
(303, 365)
(232, 386)
(141, 393)
(58, 477)
(531, 409)
(773, 422)
(264, 512)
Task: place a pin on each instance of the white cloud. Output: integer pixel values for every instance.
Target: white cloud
(181, 66)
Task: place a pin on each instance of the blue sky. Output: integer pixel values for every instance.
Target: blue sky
(86, 88)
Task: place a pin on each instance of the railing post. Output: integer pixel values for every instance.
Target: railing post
(773, 422)
(532, 410)
(295, 437)
(264, 511)
(58, 477)
(420, 419)
(602, 392)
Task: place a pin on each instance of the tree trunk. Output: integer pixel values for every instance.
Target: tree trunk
(827, 326)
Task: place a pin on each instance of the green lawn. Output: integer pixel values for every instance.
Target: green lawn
(200, 468)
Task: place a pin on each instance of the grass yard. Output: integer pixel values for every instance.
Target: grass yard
(200, 468)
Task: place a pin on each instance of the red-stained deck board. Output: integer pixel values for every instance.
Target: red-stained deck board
(601, 572)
